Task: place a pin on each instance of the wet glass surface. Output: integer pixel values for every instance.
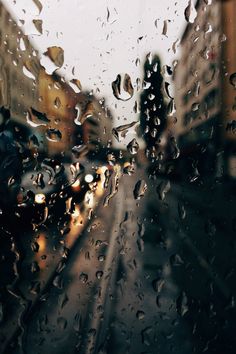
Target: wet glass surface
(117, 177)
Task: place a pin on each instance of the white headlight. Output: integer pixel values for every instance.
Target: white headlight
(88, 178)
(39, 198)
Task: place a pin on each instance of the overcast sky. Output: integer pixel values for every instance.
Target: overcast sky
(102, 38)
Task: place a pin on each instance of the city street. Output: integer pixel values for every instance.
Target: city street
(147, 275)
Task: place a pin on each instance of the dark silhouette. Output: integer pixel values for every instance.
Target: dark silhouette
(153, 106)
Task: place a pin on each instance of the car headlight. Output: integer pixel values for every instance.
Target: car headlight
(88, 178)
(40, 198)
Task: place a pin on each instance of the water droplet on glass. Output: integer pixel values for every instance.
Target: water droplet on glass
(181, 211)
(163, 188)
(140, 315)
(133, 147)
(39, 5)
(28, 73)
(176, 260)
(99, 274)
(190, 12)
(140, 189)
(35, 246)
(182, 304)
(174, 150)
(83, 277)
(38, 25)
(232, 79)
(57, 102)
(121, 131)
(77, 322)
(158, 284)
(53, 134)
(62, 323)
(56, 55)
(122, 87)
(101, 258)
(79, 150)
(34, 267)
(36, 119)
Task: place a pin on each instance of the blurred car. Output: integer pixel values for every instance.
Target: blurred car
(54, 189)
(43, 192)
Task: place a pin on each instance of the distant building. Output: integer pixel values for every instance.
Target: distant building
(72, 117)
(17, 91)
(205, 99)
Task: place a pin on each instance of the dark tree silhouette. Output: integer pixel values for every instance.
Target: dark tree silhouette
(153, 107)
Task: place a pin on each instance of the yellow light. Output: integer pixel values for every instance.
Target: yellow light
(40, 198)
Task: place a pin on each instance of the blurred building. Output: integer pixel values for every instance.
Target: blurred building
(46, 104)
(80, 117)
(18, 87)
(205, 99)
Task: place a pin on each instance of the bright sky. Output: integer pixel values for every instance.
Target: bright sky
(104, 38)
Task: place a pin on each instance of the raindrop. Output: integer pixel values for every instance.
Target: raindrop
(28, 73)
(39, 180)
(190, 12)
(164, 29)
(181, 211)
(99, 274)
(162, 189)
(34, 140)
(38, 25)
(35, 288)
(174, 150)
(121, 131)
(35, 247)
(63, 300)
(176, 260)
(182, 304)
(122, 87)
(167, 89)
(56, 55)
(34, 267)
(101, 258)
(140, 315)
(39, 5)
(232, 79)
(171, 109)
(76, 85)
(83, 278)
(195, 106)
(158, 284)
(53, 134)
(79, 150)
(133, 147)
(58, 282)
(140, 189)
(57, 103)
(76, 170)
(129, 169)
(77, 322)
(36, 119)
(62, 323)
(145, 335)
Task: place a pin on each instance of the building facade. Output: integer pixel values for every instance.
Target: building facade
(28, 91)
(204, 96)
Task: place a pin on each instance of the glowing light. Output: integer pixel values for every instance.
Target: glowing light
(76, 184)
(40, 198)
(88, 178)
